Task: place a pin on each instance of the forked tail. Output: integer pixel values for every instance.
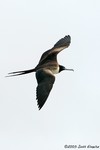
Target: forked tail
(17, 73)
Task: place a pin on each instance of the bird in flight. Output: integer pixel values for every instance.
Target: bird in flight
(45, 70)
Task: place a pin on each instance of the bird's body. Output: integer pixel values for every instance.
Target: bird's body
(45, 70)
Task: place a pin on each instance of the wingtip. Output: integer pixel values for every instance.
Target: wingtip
(63, 42)
(68, 37)
(39, 107)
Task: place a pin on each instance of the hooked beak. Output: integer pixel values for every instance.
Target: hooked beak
(69, 69)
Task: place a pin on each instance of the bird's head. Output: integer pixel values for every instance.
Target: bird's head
(63, 68)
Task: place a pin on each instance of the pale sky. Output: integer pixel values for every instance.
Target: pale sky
(71, 114)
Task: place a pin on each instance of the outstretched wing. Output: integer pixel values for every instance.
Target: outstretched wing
(63, 43)
(45, 80)
(59, 46)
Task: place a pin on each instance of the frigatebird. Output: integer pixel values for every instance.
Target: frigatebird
(45, 70)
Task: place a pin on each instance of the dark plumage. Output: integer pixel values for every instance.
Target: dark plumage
(45, 70)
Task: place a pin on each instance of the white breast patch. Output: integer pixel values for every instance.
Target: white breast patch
(55, 70)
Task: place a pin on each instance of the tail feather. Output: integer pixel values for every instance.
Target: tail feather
(17, 73)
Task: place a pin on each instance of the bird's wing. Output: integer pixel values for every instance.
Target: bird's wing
(45, 80)
(63, 43)
(59, 46)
